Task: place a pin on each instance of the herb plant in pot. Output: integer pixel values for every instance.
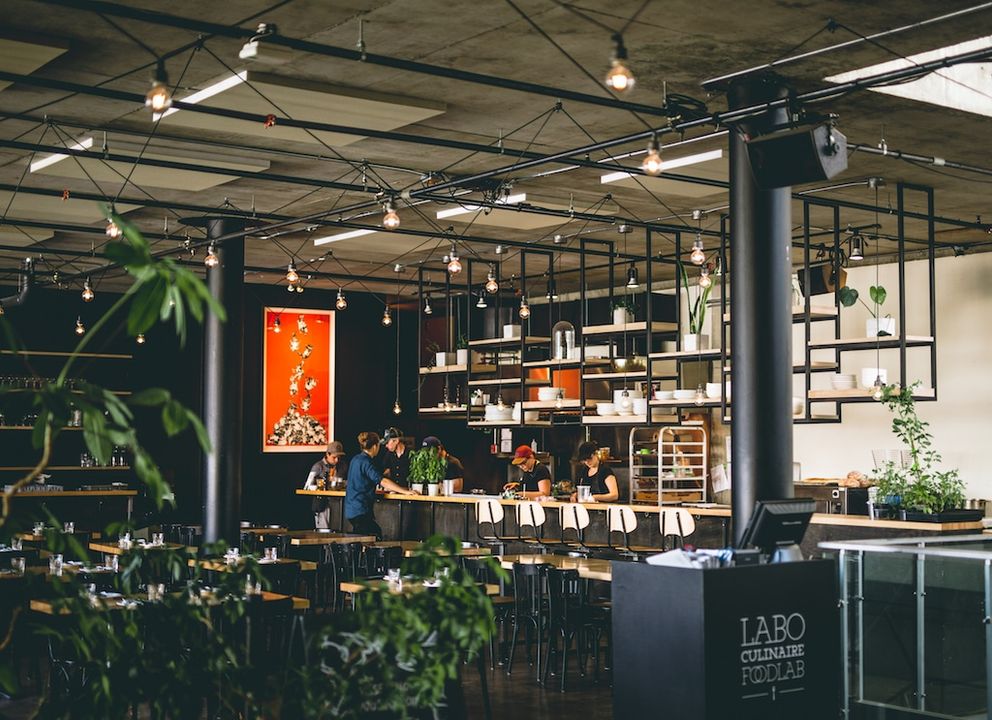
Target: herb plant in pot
(875, 326)
(695, 340)
(427, 467)
(461, 350)
(623, 311)
(919, 489)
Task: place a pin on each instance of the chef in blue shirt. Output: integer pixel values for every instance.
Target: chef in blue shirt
(363, 478)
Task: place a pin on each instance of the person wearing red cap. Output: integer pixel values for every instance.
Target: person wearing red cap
(535, 478)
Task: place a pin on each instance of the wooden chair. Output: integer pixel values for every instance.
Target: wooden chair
(676, 522)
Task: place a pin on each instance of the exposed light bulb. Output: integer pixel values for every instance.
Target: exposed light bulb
(297, 288)
(878, 388)
(211, 260)
(857, 249)
(113, 230)
(499, 402)
(482, 304)
(492, 285)
(88, 293)
(159, 98)
(698, 254)
(524, 308)
(80, 328)
(140, 339)
(277, 326)
(500, 249)
(632, 282)
(387, 319)
(341, 303)
(397, 410)
(428, 310)
(704, 278)
(652, 161)
(292, 277)
(454, 264)
(559, 400)
(619, 78)
(291, 288)
(625, 402)
(700, 395)
(390, 219)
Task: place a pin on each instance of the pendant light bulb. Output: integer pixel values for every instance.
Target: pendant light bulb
(857, 247)
(277, 326)
(619, 78)
(292, 277)
(625, 402)
(700, 395)
(80, 328)
(454, 264)
(88, 293)
(878, 388)
(559, 399)
(482, 304)
(652, 161)
(698, 254)
(341, 303)
(428, 310)
(632, 282)
(387, 319)
(113, 230)
(524, 308)
(397, 410)
(140, 339)
(704, 278)
(390, 218)
(492, 286)
(159, 99)
(211, 260)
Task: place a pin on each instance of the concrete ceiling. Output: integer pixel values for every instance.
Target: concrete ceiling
(678, 42)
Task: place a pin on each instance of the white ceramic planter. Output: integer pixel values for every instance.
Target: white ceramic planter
(695, 343)
(880, 326)
(417, 488)
(461, 356)
(622, 316)
(440, 359)
(431, 489)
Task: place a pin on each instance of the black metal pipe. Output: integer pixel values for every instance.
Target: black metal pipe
(761, 344)
(223, 376)
(25, 281)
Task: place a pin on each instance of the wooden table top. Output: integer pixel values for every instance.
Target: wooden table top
(221, 565)
(380, 585)
(76, 493)
(410, 548)
(115, 549)
(48, 607)
(264, 530)
(589, 568)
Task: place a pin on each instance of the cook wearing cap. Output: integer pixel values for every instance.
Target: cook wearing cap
(396, 463)
(535, 478)
(332, 465)
(454, 470)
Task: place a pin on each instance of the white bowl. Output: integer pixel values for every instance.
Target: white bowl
(546, 394)
(683, 394)
(798, 406)
(511, 331)
(631, 395)
(713, 390)
(664, 394)
(843, 384)
(845, 376)
(605, 408)
(640, 406)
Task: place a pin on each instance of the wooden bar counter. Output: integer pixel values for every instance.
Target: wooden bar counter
(408, 517)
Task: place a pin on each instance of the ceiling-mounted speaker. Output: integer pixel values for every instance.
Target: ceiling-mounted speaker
(793, 157)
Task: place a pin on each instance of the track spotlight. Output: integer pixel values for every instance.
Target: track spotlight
(211, 260)
(341, 303)
(619, 78)
(390, 218)
(552, 289)
(428, 310)
(698, 254)
(652, 161)
(482, 304)
(88, 293)
(632, 282)
(159, 99)
(856, 251)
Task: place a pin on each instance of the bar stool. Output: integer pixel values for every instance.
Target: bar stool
(574, 517)
(679, 524)
(531, 514)
(621, 519)
(489, 512)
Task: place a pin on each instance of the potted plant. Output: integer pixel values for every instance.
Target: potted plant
(695, 340)
(875, 326)
(623, 311)
(462, 353)
(427, 467)
(919, 489)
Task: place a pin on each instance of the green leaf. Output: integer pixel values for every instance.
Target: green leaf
(847, 296)
(877, 294)
(174, 418)
(145, 306)
(150, 397)
(95, 434)
(201, 432)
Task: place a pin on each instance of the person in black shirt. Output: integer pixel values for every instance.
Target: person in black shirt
(454, 470)
(396, 463)
(535, 478)
(598, 475)
(332, 465)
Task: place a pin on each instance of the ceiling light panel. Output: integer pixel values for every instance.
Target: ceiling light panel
(711, 165)
(514, 219)
(24, 57)
(48, 208)
(263, 94)
(62, 165)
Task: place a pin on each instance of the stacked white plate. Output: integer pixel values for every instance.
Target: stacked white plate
(844, 381)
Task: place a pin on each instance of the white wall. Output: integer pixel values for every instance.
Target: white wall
(961, 419)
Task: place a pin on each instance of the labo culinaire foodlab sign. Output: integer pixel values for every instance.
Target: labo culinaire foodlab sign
(772, 655)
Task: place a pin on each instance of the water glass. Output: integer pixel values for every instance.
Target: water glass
(16, 544)
(69, 528)
(17, 565)
(156, 591)
(39, 529)
(393, 575)
(271, 554)
(55, 565)
(124, 543)
(111, 561)
(158, 538)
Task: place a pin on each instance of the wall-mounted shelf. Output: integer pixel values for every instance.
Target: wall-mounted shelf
(31, 427)
(816, 314)
(553, 364)
(452, 410)
(508, 423)
(529, 382)
(870, 343)
(54, 353)
(656, 327)
(443, 369)
(630, 375)
(687, 355)
(861, 394)
(69, 468)
(566, 404)
(500, 342)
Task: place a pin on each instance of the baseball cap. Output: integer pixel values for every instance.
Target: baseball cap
(431, 441)
(391, 433)
(522, 453)
(335, 448)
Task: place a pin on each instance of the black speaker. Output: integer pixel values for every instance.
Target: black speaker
(797, 156)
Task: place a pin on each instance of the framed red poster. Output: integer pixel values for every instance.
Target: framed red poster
(297, 379)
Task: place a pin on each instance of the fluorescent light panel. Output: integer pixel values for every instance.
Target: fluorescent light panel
(49, 160)
(466, 209)
(343, 236)
(669, 165)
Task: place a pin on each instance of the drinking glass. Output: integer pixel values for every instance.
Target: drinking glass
(39, 529)
(271, 554)
(393, 575)
(16, 544)
(69, 528)
(55, 564)
(17, 565)
(158, 538)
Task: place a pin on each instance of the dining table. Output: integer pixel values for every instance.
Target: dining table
(588, 568)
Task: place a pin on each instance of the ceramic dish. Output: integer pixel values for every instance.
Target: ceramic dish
(604, 408)
(664, 394)
(683, 394)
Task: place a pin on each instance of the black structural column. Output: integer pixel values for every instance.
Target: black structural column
(223, 376)
(761, 342)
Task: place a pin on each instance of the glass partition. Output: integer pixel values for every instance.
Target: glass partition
(916, 628)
